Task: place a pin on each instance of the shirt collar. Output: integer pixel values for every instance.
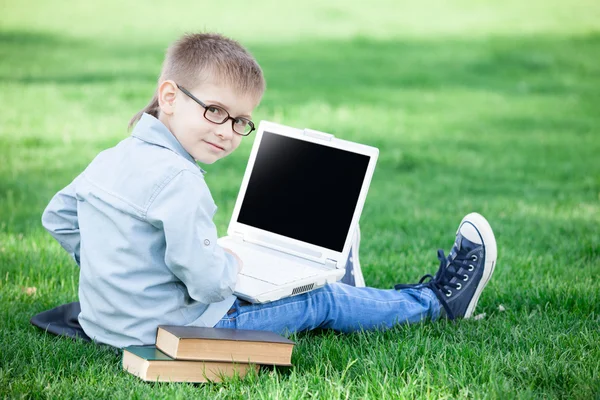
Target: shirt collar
(151, 130)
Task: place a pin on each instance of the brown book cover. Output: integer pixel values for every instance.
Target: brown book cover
(228, 345)
(150, 364)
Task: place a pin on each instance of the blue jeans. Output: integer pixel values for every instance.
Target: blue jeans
(336, 306)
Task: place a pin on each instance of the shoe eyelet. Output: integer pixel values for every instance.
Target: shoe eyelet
(459, 286)
(471, 267)
(449, 293)
(466, 277)
(474, 257)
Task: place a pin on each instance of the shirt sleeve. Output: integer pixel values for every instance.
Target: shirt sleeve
(60, 219)
(183, 210)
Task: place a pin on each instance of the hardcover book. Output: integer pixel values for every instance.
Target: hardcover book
(150, 364)
(228, 345)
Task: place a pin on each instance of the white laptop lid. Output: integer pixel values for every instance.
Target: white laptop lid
(303, 192)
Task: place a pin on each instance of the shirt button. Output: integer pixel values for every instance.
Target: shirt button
(206, 242)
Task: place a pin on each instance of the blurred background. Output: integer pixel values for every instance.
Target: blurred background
(475, 105)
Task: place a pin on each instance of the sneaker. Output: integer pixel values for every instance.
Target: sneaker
(462, 275)
(354, 275)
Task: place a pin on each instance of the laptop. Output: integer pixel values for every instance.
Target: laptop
(297, 210)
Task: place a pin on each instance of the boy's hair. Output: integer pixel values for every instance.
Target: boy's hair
(196, 58)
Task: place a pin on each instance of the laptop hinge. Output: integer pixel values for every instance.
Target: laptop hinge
(332, 264)
(318, 135)
(239, 235)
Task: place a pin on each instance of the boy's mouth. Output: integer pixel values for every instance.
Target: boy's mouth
(217, 147)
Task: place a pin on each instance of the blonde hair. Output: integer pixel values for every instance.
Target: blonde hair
(196, 58)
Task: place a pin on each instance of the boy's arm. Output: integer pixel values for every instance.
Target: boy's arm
(183, 210)
(237, 258)
(60, 219)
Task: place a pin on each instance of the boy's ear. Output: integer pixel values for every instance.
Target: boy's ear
(167, 92)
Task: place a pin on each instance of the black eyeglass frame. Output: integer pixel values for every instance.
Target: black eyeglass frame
(229, 117)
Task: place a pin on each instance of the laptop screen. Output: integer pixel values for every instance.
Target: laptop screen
(303, 190)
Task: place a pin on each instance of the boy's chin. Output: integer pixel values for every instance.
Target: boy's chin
(207, 159)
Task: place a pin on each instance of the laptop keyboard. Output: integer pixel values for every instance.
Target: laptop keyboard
(273, 267)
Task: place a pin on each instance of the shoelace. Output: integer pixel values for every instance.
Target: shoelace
(440, 283)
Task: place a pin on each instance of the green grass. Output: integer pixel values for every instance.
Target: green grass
(475, 106)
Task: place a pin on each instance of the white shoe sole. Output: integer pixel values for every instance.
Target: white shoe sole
(491, 253)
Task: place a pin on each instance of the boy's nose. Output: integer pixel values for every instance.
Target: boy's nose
(225, 130)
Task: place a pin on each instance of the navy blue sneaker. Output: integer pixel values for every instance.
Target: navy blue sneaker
(354, 275)
(462, 275)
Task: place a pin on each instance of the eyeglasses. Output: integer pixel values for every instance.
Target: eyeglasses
(218, 115)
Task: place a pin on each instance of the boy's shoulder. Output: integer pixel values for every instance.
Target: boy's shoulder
(136, 171)
(152, 161)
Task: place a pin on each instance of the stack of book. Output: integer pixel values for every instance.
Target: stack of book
(193, 354)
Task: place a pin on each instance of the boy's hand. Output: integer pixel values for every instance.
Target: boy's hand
(239, 260)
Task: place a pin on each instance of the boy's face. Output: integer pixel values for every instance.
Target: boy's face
(206, 141)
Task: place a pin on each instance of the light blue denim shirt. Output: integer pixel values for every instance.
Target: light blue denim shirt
(139, 223)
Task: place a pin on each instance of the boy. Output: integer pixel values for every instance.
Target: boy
(138, 221)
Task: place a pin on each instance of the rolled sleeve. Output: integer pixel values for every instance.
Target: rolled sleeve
(184, 209)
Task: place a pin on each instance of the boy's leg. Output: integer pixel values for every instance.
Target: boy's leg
(336, 306)
(354, 275)
(456, 286)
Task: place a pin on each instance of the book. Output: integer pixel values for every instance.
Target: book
(220, 344)
(152, 365)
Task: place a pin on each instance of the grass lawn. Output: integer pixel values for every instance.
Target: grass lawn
(475, 106)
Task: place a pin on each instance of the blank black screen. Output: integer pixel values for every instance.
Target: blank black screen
(303, 190)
